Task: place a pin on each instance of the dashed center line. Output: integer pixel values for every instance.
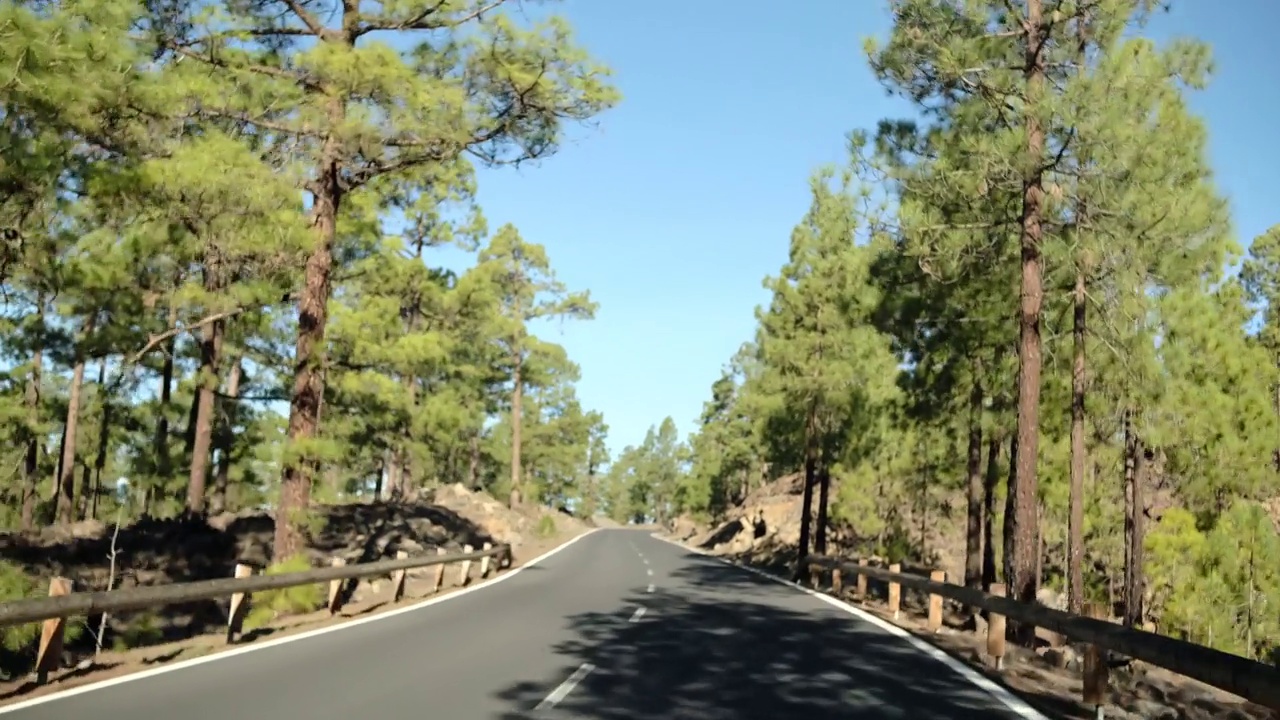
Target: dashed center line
(649, 589)
(562, 691)
(639, 613)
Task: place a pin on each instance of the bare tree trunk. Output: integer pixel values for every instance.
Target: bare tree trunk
(810, 470)
(226, 437)
(989, 483)
(31, 462)
(517, 397)
(313, 314)
(1075, 519)
(824, 491)
(473, 462)
(164, 462)
(1075, 514)
(66, 506)
(976, 488)
(104, 439)
(1134, 476)
(1024, 489)
(207, 381)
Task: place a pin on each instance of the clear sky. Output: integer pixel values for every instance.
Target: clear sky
(674, 209)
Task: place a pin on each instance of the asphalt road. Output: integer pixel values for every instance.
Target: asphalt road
(617, 626)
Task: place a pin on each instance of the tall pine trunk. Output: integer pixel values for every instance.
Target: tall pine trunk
(1075, 516)
(164, 462)
(517, 398)
(824, 491)
(211, 338)
(989, 483)
(104, 439)
(313, 314)
(226, 436)
(1023, 526)
(66, 506)
(473, 462)
(31, 461)
(976, 487)
(1134, 507)
(810, 470)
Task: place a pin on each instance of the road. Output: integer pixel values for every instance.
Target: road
(617, 626)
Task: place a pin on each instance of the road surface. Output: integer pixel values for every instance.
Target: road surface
(617, 626)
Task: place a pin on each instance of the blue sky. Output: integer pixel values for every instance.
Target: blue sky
(674, 209)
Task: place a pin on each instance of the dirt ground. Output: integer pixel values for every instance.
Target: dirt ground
(1138, 693)
(157, 553)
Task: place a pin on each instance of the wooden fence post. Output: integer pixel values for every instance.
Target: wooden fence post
(335, 588)
(465, 574)
(398, 578)
(935, 602)
(49, 654)
(484, 561)
(895, 591)
(439, 571)
(861, 591)
(1095, 668)
(995, 630)
(239, 605)
(837, 582)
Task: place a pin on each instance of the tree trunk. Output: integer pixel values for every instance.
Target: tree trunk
(31, 463)
(824, 491)
(164, 463)
(104, 438)
(66, 506)
(211, 337)
(1023, 490)
(86, 491)
(395, 477)
(473, 462)
(226, 437)
(1075, 502)
(806, 512)
(517, 397)
(66, 464)
(976, 487)
(989, 483)
(1134, 477)
(1075, 518)
(308, 382)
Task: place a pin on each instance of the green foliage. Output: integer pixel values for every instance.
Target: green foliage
(889, 350)
(546, 527)
(15, 584)
(268, 605)
(164, 212)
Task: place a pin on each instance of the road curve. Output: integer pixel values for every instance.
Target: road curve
(617, 626)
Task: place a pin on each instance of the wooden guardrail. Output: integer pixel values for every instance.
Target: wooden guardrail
(1240, 676)
(62, 603)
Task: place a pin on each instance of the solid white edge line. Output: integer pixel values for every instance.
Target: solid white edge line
(563, 689)
(635, 616)
(110, 682)
(1006, 698)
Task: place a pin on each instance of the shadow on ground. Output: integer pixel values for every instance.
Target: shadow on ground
(721, 644)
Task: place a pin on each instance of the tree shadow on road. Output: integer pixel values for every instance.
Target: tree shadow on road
(724, 644)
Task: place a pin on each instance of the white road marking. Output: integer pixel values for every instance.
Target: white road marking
(649, 589)
(563, 689)
(288, 639)
(649, 571)
(1008, 699)
(644, 560)
(639, 613)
